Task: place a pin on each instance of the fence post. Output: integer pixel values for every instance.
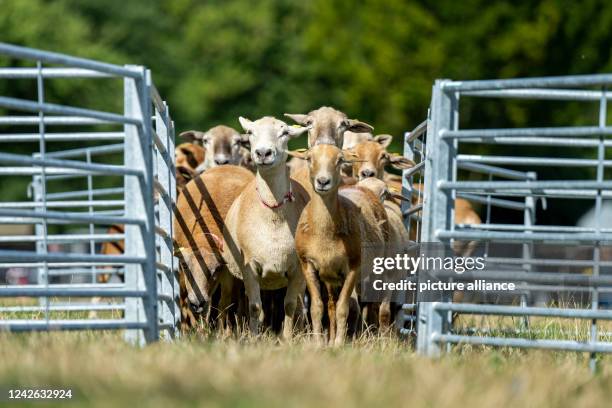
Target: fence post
(165, 176)
(437, 205)
(140, 241)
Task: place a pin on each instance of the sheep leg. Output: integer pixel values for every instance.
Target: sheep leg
(226, 282)
(331, 312)
(342, 306)
(294, 289)
(251, 287)
(316, 304)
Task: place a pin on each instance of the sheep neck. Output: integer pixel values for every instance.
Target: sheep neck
(273, 184)
(326, 210)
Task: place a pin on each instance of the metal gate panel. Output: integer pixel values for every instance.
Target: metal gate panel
(67, 224)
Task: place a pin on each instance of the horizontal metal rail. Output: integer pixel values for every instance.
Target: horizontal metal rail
(16, 73)
(550, 94)
(84, 217)
(47, 325)
(523, 236)
(500, 310)
(81, 291)
(62, 59)
(61, 137)
(532, 161)
(417, 132)
(569, 131)
(496, 202)
(526, 185)
(565, 345)
(539, 141)
(92, 151)
(570, 81)
(26, 256)
(85, 193)
(517, 227)
(555, 278)
(64, 238)
(52, 121)
(64, 204)
(70, 164)
(493, 170)
(52, 108)
(82, 307)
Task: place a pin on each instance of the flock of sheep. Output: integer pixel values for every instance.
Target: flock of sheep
(272, 242)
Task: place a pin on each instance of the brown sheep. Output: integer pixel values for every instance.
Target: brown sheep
(198, 224)
(332, 228)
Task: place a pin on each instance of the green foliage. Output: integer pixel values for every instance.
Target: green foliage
(218, 59)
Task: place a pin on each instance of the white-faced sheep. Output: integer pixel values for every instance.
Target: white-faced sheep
(261, 224)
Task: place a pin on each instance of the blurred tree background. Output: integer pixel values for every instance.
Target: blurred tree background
(376, 60)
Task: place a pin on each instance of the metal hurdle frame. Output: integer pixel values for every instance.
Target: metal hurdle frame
(442, 188)
(150, 290)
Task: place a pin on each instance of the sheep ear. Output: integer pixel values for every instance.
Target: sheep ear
(244, 141)
(295, 131)
(297, 117)
(384, 140)
(245, 123)
(191, 135)
(303, 154)
(349, 156)
(400, 162)
(359, 127)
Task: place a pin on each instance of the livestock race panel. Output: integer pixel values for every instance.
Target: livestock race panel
(515, 179)
(116, 188)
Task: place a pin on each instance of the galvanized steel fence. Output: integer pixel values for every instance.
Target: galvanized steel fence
(449, 175)
(125, 173)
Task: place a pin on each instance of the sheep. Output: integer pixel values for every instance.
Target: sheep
(331, 230)
(352, 138)
(328, 126)
(223, 145)
(375, 157)
(261, 223)
(188, 157)
(199, 219)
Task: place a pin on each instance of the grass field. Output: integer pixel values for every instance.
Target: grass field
(202, 370)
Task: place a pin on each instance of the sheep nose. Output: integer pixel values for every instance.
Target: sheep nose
(263, 152)
(323, 181)
(220, 160)
(365, 173)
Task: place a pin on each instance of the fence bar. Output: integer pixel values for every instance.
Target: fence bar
(532, 161)
(63, 59)
(521, 83)
(60, 137)
(565, 345)
(25, 105)
(551, 94)
(15, 73)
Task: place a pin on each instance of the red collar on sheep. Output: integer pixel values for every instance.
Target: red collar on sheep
(286, 198)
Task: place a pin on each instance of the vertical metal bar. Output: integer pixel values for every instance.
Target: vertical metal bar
(42, 247)
(176, 313)
(92, 243)
(528, 221)
(407, 186)
(139, 204)
(601, 153)
(165, 222)
(436, 203)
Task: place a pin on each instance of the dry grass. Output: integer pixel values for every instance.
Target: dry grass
(201, 370)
